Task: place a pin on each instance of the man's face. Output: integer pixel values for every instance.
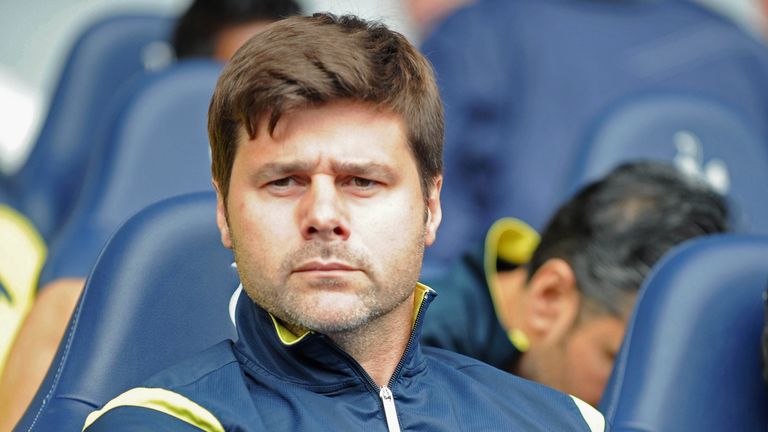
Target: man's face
(579, 361)
(326, 216)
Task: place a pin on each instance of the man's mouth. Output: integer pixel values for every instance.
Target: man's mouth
(324, 266)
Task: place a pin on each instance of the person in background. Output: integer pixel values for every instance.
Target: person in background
(217, 28)
(554, 309)
(326, 134)
(426, 14)
(209, 28)
(22, 253)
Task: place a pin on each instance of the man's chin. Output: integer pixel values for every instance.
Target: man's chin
(328, 280)
(330, 312)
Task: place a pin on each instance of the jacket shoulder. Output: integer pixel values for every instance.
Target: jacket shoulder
(523, 401)
(176, 398)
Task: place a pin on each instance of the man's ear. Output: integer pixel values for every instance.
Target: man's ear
(551, 302)
(221, 218)
(434, 211)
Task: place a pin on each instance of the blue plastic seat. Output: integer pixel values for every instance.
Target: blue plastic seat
(701, 136)
(159, 293)
(523, 80)
(690, 360)
(108, 54)
(155, 147)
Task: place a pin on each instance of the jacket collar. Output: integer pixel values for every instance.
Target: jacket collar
(312, 359)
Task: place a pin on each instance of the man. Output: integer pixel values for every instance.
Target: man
(326, 136)
(557, 315)
(22, 254)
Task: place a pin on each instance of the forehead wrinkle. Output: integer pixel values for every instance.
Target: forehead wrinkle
(363, 168)
(278, 169)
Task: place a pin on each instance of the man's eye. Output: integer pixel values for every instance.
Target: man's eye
(362, 183)
(283, 183)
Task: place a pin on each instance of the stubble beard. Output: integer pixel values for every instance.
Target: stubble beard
(330, 308)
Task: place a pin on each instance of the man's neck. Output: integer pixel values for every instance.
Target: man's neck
(380, 344)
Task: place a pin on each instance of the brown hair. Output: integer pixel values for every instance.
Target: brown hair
(305, 61)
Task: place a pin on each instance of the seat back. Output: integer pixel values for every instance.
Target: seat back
(155, 147)
(159, 293)
(690, 360)
(523, 80)
(701, 136)
(109, 53)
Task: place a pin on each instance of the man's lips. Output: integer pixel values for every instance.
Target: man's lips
(319, 266)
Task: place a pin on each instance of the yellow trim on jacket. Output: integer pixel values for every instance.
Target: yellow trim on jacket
(165, 401)
(514, 241)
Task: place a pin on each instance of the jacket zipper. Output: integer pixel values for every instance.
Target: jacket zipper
(389, 409)
(385, 392)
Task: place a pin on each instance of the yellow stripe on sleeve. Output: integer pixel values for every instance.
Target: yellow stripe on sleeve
(165, 401)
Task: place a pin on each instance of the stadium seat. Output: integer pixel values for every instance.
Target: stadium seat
(701, 136)
(109, 53)
(522, 81)
(155, 147)
(159, 292)
(690, 360)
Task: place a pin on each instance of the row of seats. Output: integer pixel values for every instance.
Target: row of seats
(140, 311)
(126, 127)
(690, 360)
(529, 85)
(153, 147)
(109, 53)
(121, 133)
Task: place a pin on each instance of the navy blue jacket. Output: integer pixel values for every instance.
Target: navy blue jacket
(272, 381)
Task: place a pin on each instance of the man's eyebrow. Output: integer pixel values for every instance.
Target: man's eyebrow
(365, 169)
(276, 170)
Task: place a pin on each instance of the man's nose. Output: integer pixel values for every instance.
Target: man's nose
(324, 214)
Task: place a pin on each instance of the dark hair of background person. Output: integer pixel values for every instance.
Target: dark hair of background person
(309, 61)
(197, 29)
(615, 229)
